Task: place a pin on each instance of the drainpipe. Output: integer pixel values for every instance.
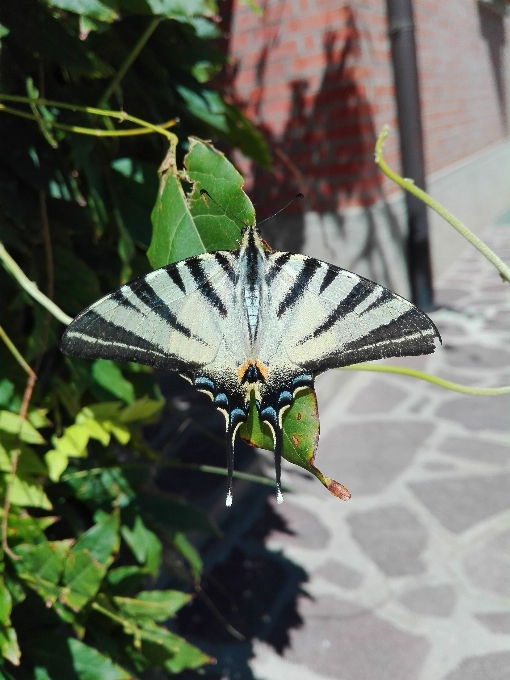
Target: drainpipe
(405, 68)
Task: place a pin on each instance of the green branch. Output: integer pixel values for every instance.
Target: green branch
(408, 185)
(143, 126)
(31, 288)
(413, 373)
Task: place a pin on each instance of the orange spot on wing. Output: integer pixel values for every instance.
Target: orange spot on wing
(263, 369)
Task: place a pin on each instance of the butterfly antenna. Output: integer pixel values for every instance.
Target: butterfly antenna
(300, 195)
(233, 217)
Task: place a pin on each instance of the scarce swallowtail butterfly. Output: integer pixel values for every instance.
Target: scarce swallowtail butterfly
(249, 321)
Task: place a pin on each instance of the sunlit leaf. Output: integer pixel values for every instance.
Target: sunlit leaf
(300, 437)
(109, 376)
(10, 423)
(158, 605)
(9, 645)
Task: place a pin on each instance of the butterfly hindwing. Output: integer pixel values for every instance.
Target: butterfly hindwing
(172, 318)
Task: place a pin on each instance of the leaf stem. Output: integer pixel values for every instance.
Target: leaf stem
(409, 185)
(413, 373)
(31, 288)
(137, 48)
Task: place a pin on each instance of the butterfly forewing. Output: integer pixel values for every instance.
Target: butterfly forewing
(172, 318)
(329, 317)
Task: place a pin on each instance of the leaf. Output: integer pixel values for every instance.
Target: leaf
(38, 418)
(26, 491)
(45, 560)
(190, 553)
(170, 651)
(5, 604)
(10, 423)
(6, 390)
(171, 8)
(28, 529)
(142, 409)
(300, 437)
(101, 540)
(158, 605)
(83, 575)
(66, 658)
(144, 544)
(103, 11)
(109, 376)
(174, 235)
(9, 645)
(189, 226)
(123, 580)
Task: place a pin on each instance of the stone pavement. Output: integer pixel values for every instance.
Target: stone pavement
(410, 580)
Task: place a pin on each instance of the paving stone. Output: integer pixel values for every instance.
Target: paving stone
(496, 622)
(431, 600)
(368, 456)
(500, 323)
(476, 450)
(378, 397)
(488, 565)
(438, 466)
(392, 537)
(340, 574)
(307, 531)
(477, 356)
(448, 296)
(461, 502)
(343, 640)
(494, 666)
(478, 413)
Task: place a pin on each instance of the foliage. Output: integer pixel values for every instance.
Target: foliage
(86, 530)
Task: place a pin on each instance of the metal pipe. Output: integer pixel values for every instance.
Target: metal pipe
(405, 68)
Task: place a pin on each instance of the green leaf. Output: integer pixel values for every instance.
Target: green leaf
(174, 235)
(5, 604)
(83, 575)
(44, 561)
(171, 8)
(9, 645)
(170, 651)
(66, 658)
(6, 386)
(189, 226)
(300, 437)
(157, 605)
(144, 544)
(142, 409)
(27, 492)
(38, 418)
(4, 31)
(109, 376)
(190, 553)
(124, 580)
(28, 529)
(104, 11)
(101, 540)
(10, 423)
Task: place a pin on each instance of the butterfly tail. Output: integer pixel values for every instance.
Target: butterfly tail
(278, 446)
(236, 418)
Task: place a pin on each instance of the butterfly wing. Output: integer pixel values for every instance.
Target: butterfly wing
(172, 318)
(329, 317)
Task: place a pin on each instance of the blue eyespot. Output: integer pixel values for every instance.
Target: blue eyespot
(205, 382)
(221, 399)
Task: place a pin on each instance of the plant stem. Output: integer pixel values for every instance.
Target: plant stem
(409, 185)
(14, 462)
(118, 115)
(137, 48)
(31, 288)
(413, 373)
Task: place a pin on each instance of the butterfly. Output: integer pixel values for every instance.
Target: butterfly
(250, 322)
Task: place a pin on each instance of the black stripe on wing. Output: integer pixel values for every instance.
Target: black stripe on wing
(196, 270)
(360, 292)
(331, 275)
(146, 294)
(295, 292)
(277, 263)
(175, 275)
(91, 336)
(226, 265)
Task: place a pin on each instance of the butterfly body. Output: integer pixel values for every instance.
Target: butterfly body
(250, 321)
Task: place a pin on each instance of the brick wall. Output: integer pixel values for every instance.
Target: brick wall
(316, 77)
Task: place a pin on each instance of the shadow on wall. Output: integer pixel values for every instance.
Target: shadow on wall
(327, 151)
(492, 30)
